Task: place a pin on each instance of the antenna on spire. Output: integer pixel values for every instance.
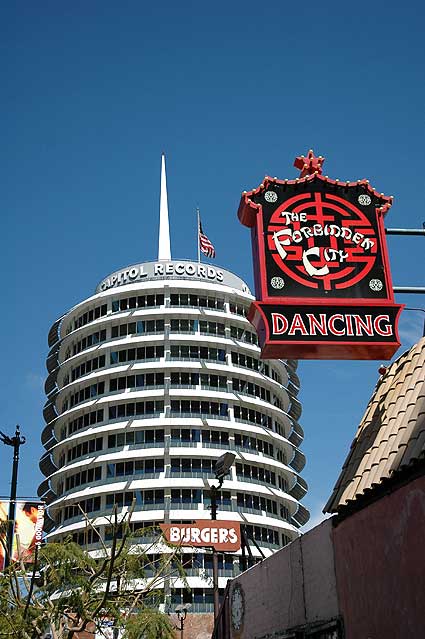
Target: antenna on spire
(164, 250)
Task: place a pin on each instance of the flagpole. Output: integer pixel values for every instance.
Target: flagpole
(199, 247)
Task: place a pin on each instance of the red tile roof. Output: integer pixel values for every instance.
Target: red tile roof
(391, 435)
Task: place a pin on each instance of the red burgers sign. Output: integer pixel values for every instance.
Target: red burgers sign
(322, 277)
(222, 535)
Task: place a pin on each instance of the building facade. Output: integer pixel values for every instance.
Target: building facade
(152, 379)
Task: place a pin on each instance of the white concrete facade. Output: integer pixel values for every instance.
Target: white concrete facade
(150, 381)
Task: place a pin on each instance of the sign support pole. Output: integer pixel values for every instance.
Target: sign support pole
(15, 442)
(214, 491)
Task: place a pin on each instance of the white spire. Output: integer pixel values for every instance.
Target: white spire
(164, 250)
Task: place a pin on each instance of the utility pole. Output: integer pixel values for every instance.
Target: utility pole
(222, 468)
(15, 442)
(214, 491)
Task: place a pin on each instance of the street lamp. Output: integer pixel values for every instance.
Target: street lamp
(222, 468)
(15, 442)
(181, 612)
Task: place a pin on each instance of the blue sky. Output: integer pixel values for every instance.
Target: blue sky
(231, 91)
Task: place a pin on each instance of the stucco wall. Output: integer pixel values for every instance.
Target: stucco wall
(380, 566)
(291, 588)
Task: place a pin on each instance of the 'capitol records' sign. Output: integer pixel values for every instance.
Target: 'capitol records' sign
(322, 277)
(222, 535)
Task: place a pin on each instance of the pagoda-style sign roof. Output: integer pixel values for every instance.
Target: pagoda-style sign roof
(391, 435)
(311, 168)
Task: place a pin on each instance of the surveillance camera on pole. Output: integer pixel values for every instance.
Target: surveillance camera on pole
(223, 465)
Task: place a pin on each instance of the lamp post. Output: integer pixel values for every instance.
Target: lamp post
(222, 468)
(15, 442)
(181, 612)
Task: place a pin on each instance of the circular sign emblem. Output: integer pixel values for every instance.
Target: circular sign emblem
(364, 199)
(322, 241)
(270, 196)
(376, 285)
(277, 282)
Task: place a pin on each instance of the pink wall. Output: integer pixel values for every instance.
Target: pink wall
(380, 566)
(291, 588)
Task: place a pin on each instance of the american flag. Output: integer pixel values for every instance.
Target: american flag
(205, 245)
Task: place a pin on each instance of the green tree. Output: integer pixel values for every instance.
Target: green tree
(70, 590)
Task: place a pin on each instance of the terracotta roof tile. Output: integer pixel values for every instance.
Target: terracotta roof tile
(391, 434)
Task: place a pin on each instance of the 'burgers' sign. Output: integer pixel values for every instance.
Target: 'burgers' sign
(322, 277)
(221, 535)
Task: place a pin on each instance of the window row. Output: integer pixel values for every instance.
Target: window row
(141, 301)
(263, 535)
(249, 388)
(141, 327)
(244, 500)
(177, 379)
(135, 409)
(88, 536)
(89, 392)
(86, 342)
(180, 378)
(178, 436)
(189, 465)
(252, 443)
(140, 497)
(86, 506)
(240, 359)
(141, 353)
(149, 436)
(195, 435)
(185, 299)
(212, 328)
(186, 351)
(197, 496)
(246, 471)
(88, 419)
(182, 325)
(87, 317)
(147, 529)
(199, 407)
(87, 367)
(253, 416)
(83, 477)
(136, 381)
(202, 599)
(137, 467)
(204, 561)
(89, 446)
(243, 335)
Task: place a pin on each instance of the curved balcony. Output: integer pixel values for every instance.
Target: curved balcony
(47, 466)
(298, 461)
(49, 412)
(52, 361)
(297, 434)
(54, 334)
(302, 516)
(43, 488)
(295, 409)
(300, 488)
(50, 386)
(48, 438)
